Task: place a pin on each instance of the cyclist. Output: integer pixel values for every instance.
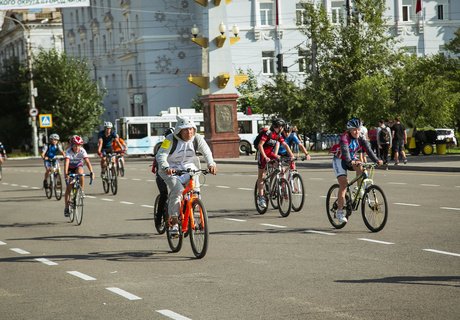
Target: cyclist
(116, 148)
(178, 152)
(49, 152)
(346, 157)
(75, 158)
(104, 144)
(266, 152)
(2, 153)
(293, 141)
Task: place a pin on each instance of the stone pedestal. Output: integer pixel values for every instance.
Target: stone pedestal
(221, 125)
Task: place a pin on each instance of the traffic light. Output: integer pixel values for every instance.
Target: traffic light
(279, 63)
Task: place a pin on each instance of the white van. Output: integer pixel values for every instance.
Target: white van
(448, 135)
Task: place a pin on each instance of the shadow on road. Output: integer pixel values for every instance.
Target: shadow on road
(421, 280)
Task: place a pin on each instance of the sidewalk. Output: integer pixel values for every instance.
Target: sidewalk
(436, 163)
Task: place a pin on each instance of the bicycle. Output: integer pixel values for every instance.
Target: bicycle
(76, 197)
(161, 228)
(119, 164)
(109, 179)
(374, 206)
(193, 219)
(276, 188)
(54, 181)
(1, 172)
(295, 182)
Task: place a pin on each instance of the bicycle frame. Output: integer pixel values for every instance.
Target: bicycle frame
(188, 196)
(365, 179)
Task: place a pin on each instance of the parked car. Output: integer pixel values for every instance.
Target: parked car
(447, 135)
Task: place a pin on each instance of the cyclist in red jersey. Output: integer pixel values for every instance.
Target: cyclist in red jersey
(266, 152)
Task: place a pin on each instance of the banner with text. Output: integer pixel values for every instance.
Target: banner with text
(39, 4)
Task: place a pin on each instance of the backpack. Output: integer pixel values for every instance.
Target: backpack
(384, 135)
(262, 131)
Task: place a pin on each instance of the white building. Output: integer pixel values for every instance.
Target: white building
(141, 51)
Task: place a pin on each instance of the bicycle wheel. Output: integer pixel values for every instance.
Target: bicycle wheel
(57, 186)
(105, 182)
(331, 206)
(72, 206)
(114, 182)
(1, 172)
(175, 242)
(199, 234)
(284, 197)
(49, 188)
(161, 227)
(298, 192)
(79, 207)
(121, 168)
(274, 192)
(261, 210)
(374, 208)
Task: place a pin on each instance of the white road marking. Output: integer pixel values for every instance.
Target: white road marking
(36, 188)
(443, 252)
(136, 179)
(105, 199)
(151, 180)
(146, 206)
(323, 196)
(376, 241)
(126, 202)
(81, 275)
(223, 187)
(237, 220)
(2, 243)
(320, 232)
(172, 315)
(124, 293)
(449, 208)
(246, 189)
(407, 204)
(430, 185)
(400, 183)
(24, 186)
(14, 185)
(20, 251)
(272, 225)
(5, 183)
(91, 197)
(46, 261)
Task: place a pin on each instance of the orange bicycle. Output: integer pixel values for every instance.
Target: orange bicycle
(193, 219)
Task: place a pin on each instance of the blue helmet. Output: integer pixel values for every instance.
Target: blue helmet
(354, 123)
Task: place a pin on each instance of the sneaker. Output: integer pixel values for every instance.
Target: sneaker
(405, 161)
(66, 212)
(174, 231)
(341, 217)
(261, 202)
(396, 163)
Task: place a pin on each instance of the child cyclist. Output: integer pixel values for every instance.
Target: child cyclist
(75, 157)
(49, 152)
(346, 157)
(266, 152)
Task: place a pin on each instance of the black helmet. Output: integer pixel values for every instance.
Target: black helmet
(278, 122)
(168, 131)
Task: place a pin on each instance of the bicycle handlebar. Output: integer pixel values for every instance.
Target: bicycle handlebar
(77, 175)
(191, 172)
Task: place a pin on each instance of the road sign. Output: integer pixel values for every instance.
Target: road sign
(45, 120)
(33, 112)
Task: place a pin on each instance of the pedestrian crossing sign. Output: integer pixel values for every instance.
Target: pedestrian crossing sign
(45, 120)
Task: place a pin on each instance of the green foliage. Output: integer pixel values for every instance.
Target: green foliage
(249, 90)
(454, 44)
(68, 93)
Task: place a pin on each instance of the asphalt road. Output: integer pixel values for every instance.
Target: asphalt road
(115, 266)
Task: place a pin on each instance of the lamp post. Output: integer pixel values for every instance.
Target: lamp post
(32, 110)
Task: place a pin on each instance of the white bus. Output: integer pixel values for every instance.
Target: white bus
(144, 135)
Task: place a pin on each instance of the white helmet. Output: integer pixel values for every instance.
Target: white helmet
(108, 124)
(54, 136)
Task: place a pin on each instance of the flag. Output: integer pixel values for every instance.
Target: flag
(418, 6)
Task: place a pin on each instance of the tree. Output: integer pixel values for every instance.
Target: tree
(249, 90)
(68, 93)
(454, 44)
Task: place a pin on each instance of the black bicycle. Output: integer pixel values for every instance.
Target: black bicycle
(161, 227)
(76, 197)
(109, 179)
(374, 206)
(54, 181)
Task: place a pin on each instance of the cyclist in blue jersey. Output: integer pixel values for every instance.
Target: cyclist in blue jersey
(49, 152)
(291, 140)
(104, 144)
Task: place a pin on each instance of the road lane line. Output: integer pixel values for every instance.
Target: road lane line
(443, 252)
(233, 219)
(272, 225)
(407, 204)
(23, 186)
(20, 251)
(91, 197)
(376, 241)
(46, 261)
(5, 183)
(246, 189)
(36, 188)
(136, 179)
(126, 202)
(172, 315)
(400, 183)
(430, 185)
(14, 185)
(124, 293)
(146, 206)
(81, 275)
(105, 199)
(449, 208)
(223, 187)
(151, 180)
(320, 232)
(2, 243)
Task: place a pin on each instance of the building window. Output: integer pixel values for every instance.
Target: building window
(410, 50)
(300, 14)
(336, 15)
(440, 11)
(268, 62)
(266, 13)
(302, 60)
(104, 43)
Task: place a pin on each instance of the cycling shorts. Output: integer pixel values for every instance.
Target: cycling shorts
(261, 162)
(340, 167)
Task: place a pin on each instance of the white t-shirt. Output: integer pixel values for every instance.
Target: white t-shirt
(76, 159)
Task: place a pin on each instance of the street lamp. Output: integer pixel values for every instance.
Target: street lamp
(32, 110)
